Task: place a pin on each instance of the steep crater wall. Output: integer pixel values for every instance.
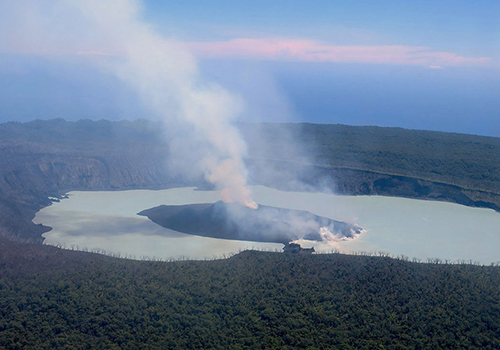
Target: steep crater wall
(30, 179)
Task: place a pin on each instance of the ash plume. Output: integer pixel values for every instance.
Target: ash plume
(166, 77)
(198, 115)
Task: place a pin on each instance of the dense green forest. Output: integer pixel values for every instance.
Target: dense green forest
(53, 298)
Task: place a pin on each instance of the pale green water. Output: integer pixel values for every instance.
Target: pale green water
(415, 228)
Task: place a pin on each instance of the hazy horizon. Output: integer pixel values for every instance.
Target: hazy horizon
(425, 65)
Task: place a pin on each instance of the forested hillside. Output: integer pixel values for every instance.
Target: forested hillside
(53, 298)
(468, 161)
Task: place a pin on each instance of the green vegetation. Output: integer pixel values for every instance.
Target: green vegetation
(83, 137)
(53, 298)
(467, 161)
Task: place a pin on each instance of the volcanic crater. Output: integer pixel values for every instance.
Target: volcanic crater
(236, 222)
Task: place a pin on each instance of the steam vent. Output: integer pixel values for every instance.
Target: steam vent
(237, 222)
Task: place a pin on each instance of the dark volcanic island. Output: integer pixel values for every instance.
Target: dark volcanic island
(237, 222)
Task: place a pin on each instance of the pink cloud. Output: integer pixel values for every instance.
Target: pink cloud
(312, 51)
(93, 53)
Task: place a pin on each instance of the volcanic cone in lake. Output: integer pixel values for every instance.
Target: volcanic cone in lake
(237, 222)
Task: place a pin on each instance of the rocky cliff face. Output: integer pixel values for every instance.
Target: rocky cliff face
(33, 171)
(26, 185)
(364, 182)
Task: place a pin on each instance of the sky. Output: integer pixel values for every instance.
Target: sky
(414, 64)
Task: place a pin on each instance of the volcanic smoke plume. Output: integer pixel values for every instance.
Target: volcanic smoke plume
(166, 77)
(198, 115)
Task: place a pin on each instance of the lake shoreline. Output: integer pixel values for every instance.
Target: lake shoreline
(414, 228)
